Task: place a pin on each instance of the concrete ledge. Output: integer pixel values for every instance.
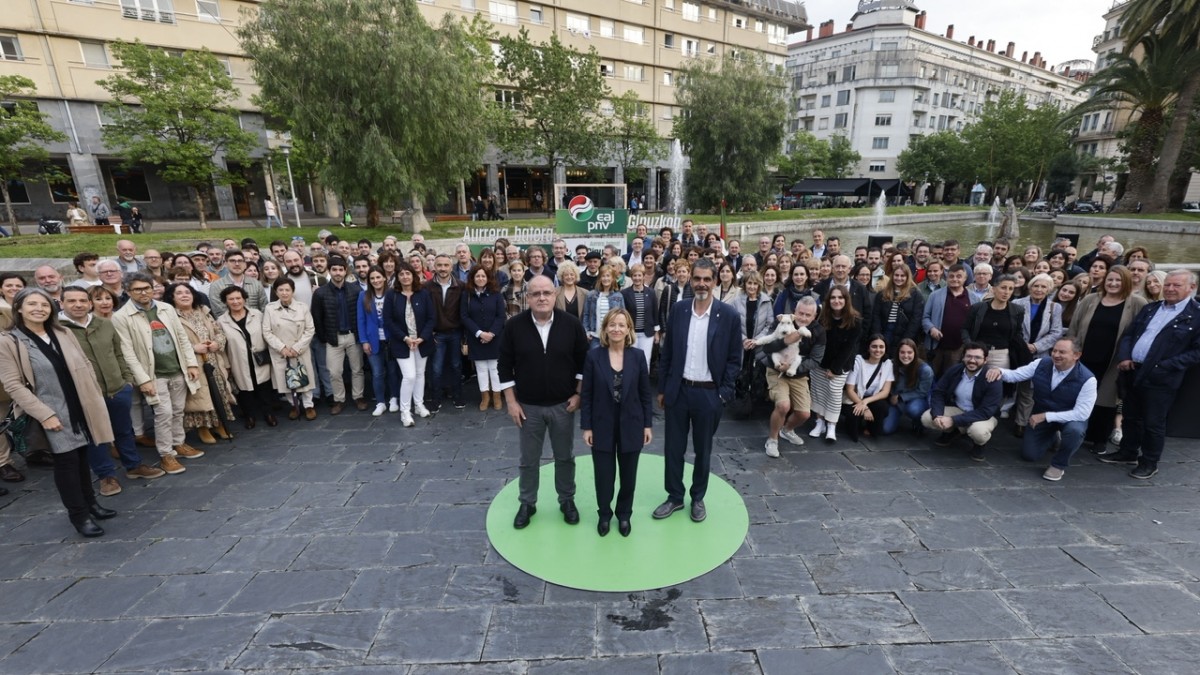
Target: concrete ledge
(1165, 226)
(806, 224)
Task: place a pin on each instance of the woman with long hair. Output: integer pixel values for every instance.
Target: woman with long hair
(867, 390)
(289, 330)
(487, 260)
(514, 291)
(862, 274)
(605, 297)
(53, 386)
(770, 281)
(270, 273)
(483, 316)
(727, 288)
(910, 391)
(249, 359)
(409, 320)
(801, 286)
(372, 333)
(843, 326)
(1154, 286)
(898, 307)
(1068, 296)
(208, 341)
(1032, 254)
(1099, 322)
(756, 313)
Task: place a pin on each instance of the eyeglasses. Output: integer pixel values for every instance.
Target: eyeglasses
(110, 271)
(140, 290)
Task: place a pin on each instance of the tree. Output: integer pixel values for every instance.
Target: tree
(554, 112)
(938, 158)
(634, 140)
(1061, 173)
(808, 157)
(842, 156)
(1011, 144)
(175, 111)
(391, 103)
(1178, 21)
(23, 135)
(734, 114)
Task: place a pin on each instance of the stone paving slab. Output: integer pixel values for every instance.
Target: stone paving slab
(353, 545)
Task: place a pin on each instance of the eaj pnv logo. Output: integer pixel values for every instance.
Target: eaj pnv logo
(581, 208)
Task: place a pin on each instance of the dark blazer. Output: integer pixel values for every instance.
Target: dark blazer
(1175, 349)
(484, 313)
(1018, 353)
(986, 396)
(908, 321)
(598, 412)
(860, 297)
(724, 349)
(651, 307)
(396, 328)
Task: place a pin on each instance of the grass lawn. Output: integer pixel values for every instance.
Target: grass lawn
(1186, 217)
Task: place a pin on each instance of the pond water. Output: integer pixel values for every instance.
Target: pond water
(1163, 247)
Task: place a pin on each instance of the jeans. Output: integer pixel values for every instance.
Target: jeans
(910, 410)
(273, 219)
(385, 374)
(447, 347)
(325, 383)
(1145, 423)
(119, 407)
(1039, 439)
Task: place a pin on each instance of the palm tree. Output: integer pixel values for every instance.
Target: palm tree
(1150, 87)
(1178, 21)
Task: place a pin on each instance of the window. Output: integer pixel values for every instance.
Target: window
(712, 13)
(535, 14)
(889, 44)
(883, 120)
(162, 11)
(468, 5)
(877, 167)
(226, 65)
(739, 21)
(62, 191)
(94, 54)
(711, 49)
(578, 24)
(879, 143)
(17, 191)
(10, 47)
(669, 4)
(936, 99)
(843, 97)
(759, 27)
(633, 72)
(887, 95)
(130, 183)
(691, 11)
(607, 28)
(607, 69)
(822, 124)
(831, 77)
(503, 11)
(668, 78)
(208, 10)
(848, 73)
(776, 34)
(507, 98)
(839, 120)
(691, 47)
(668, 40)
(826, 100)
(634, 34)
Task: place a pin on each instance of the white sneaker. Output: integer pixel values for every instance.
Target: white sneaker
(420, 409)
(394, 405)
(791, 436)
(406, 419)
(818, 429)
(831, 433)
(772, 447)
(380, 408)
(1116, 437)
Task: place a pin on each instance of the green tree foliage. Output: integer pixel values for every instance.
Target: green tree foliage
(1062, 171)
(23, 135)
(842, 156)
(732, 127)
(808, 157)
(635, 142)
(1178, 22)
(1012, 144)
(554, 112)
(390, 103)
(175, 111)
(940, 157)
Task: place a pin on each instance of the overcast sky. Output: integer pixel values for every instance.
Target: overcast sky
(1062, 30)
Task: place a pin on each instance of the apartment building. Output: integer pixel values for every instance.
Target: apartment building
(62, 45)
(885, 79)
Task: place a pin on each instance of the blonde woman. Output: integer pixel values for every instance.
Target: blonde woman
(605, 297)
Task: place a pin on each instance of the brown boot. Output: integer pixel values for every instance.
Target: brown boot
(222, 432)
(496, 402)
(484, 400)
(205, 436)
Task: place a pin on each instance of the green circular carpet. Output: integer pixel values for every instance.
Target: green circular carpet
(658, 553)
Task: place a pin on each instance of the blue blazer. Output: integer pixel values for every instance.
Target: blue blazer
(368, 322)
(482, 313)
(396, 328)
(1175, 349)
(598, 412)
(724, 349)
(985, 396)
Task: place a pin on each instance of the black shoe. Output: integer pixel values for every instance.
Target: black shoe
(665, 509)
(523, 515)
(89, 529)
(624, 527)
(3, 491)
(40, 458)
(9, 473)
(570, 513)
(433, 407)
(946, 438)
(602, 528)
(459, 404)
(1144, 471)
(100, 513)
(1019, 432)
(1118, 458)
(977, 452)
(699, 513)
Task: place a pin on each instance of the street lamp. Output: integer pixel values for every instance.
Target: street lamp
(504, 186)
(287, 150)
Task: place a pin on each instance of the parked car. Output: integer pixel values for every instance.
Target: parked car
(1038, 205)
(1191, 207)
(1084, 206)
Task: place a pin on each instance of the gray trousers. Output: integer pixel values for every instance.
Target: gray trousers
(560, 424)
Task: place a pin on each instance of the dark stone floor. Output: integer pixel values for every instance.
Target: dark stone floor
(352, 545)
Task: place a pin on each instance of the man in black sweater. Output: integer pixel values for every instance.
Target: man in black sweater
(335, 316)
(541, 365)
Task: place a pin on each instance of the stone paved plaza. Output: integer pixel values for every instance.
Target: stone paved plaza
(352, 545)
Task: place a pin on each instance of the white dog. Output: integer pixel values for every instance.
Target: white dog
(786, 326)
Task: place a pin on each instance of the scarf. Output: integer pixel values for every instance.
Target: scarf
(54, 354)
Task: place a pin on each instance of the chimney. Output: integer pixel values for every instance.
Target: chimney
(1025, 56)
(991, 45)
(920, 21)
(808, 35)
(1036, 60)
(950, 32)
(826, 29)
(1066, 71)
(971, 41)
(1012, 46)
(849, 27)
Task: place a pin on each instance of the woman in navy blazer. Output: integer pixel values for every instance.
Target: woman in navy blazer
(616, 415)
(411, 342)
(483, 312)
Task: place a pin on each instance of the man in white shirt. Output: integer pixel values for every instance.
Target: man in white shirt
(1064, 393)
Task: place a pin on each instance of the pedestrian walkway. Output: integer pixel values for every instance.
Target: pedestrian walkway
(350, 544)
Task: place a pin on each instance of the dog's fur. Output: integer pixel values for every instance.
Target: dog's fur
(785, 327)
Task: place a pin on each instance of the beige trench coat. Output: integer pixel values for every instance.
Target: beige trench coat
(137, 342)
(290, 326)
(235, 349)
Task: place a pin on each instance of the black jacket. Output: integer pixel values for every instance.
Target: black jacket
(908, 320)
(841, 346)
(651, 301)
(325, 311)
(1018, 353)
(860, 297)
(542, 376)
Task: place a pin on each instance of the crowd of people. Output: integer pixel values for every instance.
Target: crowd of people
(143, 349)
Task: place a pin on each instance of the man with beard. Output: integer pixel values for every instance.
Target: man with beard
(964, 402)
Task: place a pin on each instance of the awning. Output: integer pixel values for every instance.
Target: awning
(831, 186)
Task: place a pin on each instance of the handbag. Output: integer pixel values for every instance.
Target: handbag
(262, 358)
(295, 376)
